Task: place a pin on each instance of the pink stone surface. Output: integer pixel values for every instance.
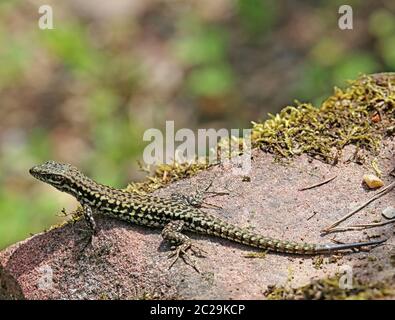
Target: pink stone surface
(130, 262)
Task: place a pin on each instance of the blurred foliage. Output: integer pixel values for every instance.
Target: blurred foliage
(86, 91)
(257, 16)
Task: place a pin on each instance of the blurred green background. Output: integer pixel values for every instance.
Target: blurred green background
(85, 91)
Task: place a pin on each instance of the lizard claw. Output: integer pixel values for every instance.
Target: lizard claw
(197, 251)
(86, 239)
(181, 251)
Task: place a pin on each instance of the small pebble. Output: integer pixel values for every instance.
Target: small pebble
(372, 181)
(389, 212)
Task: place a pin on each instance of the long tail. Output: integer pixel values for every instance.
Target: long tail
(231, 232)
(327, 248)
(283, 246)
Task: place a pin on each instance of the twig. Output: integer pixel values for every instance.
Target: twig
(318, 184)
(375, 197)
(314, 213)
(362, 226)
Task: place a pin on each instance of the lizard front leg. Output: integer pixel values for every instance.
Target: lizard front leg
(172, 233)
(91, 223)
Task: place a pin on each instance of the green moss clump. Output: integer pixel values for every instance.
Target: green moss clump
(167, 173)
(328, 289)
(361, 115)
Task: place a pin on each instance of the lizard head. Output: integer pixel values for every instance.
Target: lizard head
(56, 174)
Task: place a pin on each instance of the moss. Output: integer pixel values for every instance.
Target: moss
(318, 261)
(165, 174)
(146, 296)
(361, 114)
(75, 215)
(328, 289)
(376, 168)
(259, 255)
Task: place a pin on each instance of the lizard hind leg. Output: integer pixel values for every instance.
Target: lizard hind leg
(172, 233)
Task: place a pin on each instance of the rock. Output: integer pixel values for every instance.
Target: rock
(372, 181)
(389, 212)
(131, 262)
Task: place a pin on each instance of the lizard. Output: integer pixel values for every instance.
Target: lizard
(171, 215)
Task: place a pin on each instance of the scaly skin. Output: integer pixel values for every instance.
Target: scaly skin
(171, 215)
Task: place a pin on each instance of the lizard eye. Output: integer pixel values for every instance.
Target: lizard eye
(56, 178)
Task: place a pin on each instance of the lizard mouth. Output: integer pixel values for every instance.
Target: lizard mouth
(39, 174)
(34, 172)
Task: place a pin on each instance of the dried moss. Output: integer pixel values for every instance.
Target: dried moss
(360, 115)
(167, 173)
(328, 289)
